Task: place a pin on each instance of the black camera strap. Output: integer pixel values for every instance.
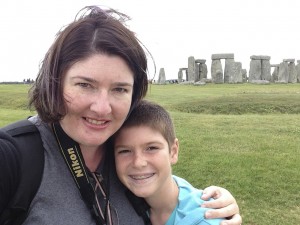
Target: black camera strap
(88, 183)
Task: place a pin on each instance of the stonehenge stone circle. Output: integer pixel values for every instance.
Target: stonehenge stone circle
(259, 72)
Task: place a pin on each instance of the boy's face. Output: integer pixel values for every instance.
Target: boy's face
(143, 160)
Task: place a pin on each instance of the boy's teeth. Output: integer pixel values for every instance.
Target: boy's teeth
(140, 177)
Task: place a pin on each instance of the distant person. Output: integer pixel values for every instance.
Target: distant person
(92, 76)
(145, 147)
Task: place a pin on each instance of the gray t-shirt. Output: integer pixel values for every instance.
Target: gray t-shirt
(58, 200)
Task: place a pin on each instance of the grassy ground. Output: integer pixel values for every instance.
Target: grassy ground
(243, 137)
(13, 103)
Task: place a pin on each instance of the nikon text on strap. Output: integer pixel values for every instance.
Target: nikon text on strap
(90, 191)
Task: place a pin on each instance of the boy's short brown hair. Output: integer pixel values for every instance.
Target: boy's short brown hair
(152, 115)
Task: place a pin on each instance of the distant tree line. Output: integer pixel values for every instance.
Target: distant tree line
(28, 81)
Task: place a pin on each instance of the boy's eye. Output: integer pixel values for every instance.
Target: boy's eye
(151, 148)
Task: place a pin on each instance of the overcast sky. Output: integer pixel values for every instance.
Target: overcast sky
(171, 30)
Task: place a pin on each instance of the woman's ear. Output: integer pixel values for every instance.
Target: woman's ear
(174, 152)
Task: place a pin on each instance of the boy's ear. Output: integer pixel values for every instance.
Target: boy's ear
(174, 152)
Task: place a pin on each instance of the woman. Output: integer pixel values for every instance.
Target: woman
(91, 77)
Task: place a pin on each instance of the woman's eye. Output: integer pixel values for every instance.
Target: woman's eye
(121, 90)
(123, 151)
(84, 85)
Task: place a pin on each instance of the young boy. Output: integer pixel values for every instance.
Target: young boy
(144, 149)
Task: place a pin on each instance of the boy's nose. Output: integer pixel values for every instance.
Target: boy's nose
(139, 160)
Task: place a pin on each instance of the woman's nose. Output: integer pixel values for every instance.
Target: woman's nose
(101, 103)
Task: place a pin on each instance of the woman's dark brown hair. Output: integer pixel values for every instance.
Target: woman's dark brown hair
(95, 31)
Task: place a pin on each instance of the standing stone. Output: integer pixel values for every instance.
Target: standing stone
(292, 73)
(219, 77)
(265, 69)
(162, 76)
(298, 71)
(180, 75)
(197, 72)
(217, 71)
(203, 71)
(255, 70)
(283, 73)
(191, 69)
(229, 69)
(236, 76)
(231, 79)
(202, 68)
(244, 75)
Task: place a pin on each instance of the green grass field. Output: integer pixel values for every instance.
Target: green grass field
(243, 137)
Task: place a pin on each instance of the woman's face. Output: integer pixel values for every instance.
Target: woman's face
(98, 93)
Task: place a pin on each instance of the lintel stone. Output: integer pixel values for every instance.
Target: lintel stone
(274, 65)
(260, 57)
(289, 60)
(200, 60)
(222, 56)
